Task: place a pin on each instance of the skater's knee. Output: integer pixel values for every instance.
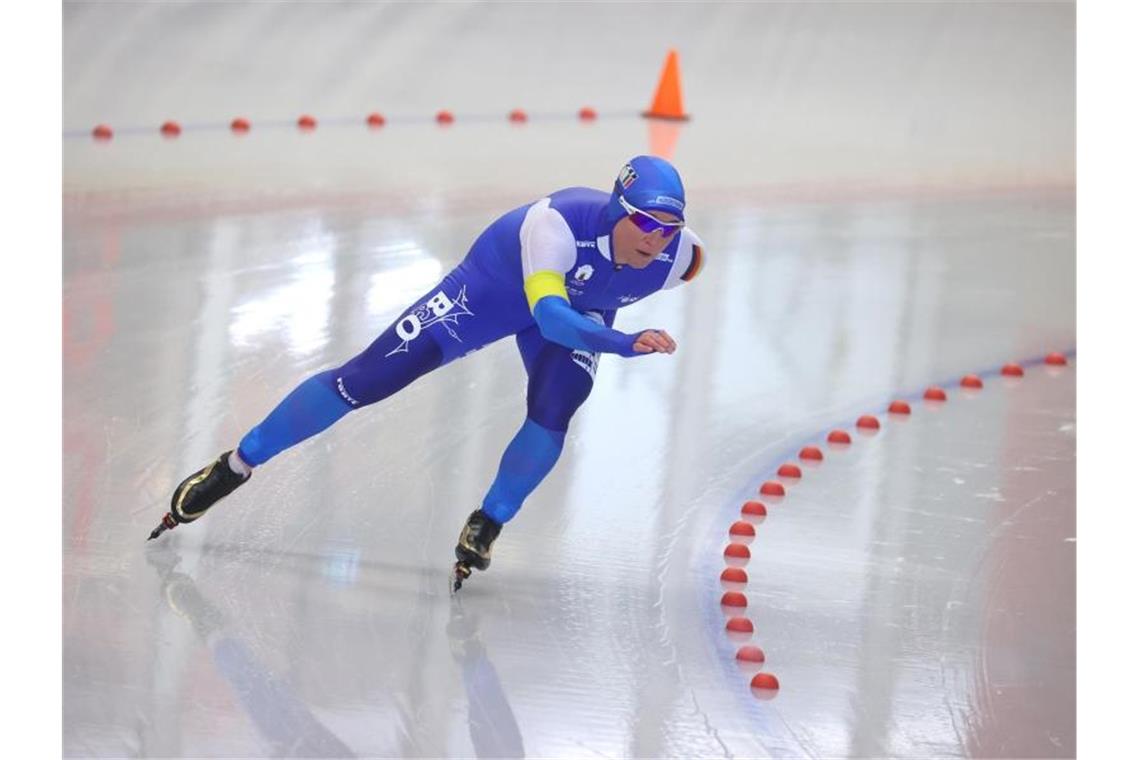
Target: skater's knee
(381, 370)
(334, 380)
(560, 384)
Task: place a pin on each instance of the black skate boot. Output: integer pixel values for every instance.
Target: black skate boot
(474, 547)
(199, 492)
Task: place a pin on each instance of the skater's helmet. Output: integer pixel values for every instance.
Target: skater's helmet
(648, 183)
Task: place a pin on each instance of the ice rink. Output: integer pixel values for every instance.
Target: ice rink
(886, 193)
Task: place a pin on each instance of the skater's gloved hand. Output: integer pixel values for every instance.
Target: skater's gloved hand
(654, 341)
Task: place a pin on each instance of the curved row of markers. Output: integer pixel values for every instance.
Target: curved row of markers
(307, 123)
(741, 533)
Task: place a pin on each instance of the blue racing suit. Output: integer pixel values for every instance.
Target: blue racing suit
(542, 272)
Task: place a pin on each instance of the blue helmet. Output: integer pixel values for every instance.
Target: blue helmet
(650, 184)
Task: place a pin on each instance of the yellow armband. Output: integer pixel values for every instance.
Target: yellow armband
(545, 283)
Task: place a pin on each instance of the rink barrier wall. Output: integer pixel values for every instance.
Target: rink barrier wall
(778, 478)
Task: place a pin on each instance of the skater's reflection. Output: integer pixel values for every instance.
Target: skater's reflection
(280, 717)
(494, 730)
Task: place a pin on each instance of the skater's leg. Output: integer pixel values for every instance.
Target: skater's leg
(310, 408)
(530, 343)
(439, 327)
(389, 364)
(529, 457)
(386, 366)
(560, 381)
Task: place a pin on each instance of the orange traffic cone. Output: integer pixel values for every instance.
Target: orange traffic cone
(667, 100)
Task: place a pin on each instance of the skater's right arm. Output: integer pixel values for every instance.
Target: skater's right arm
(548, 253)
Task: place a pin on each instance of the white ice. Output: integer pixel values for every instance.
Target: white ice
(886, 194)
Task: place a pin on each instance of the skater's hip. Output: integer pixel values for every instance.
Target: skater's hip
(464, 312)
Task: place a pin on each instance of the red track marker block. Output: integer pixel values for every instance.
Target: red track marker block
(739, 625)
(734, 575)
(934, 393)
(765, 681)
(102, 132)
(899, 407)
(737, 555)
(790, 471)
(811, 454)
(741, 528)
(750, 654)
(972, 381)
(239, 125)
(868, 422)
(772, 488)
(754, 509)
(838, 436)
(1056, 360)
(733, 599)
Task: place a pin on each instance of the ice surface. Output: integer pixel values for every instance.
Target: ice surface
(885, 192)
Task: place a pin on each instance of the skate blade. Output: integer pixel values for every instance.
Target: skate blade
(168, 522)
(459, 573)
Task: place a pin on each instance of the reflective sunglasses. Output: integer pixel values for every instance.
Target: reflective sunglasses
(648, 223)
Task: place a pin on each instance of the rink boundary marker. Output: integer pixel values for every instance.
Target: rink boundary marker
(370, 122)
(733, 600)
(666, 105)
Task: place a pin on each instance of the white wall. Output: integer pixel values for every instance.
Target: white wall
(837, 87)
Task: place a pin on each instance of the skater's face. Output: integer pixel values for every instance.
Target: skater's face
(637, 248)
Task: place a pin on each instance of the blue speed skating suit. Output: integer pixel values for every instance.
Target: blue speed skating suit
(544, 273)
